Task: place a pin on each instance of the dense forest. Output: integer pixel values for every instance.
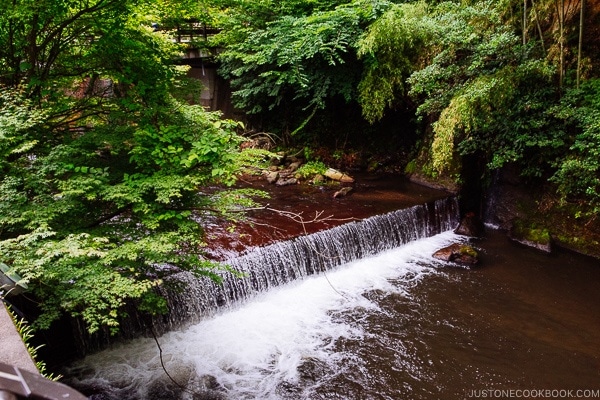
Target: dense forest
(107, 158)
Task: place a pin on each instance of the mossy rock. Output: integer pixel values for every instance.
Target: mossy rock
(466, 250)
(531, 235)
(458, 253)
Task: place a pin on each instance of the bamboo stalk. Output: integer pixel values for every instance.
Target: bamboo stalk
(581, 14)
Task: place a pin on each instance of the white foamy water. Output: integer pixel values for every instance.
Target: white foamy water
(256, 349)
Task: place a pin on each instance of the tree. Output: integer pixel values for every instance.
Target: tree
(391, 50)
(487, 92)
(580, 41)
(102, 167)
(294, 62)
(465, 67)
(578, 169)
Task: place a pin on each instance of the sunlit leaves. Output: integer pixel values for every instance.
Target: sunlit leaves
(18, 116)
(390, 50)
(101, 166)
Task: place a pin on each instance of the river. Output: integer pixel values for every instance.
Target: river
(398, 325)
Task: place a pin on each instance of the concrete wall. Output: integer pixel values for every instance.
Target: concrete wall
(216, 93)
(13, 351)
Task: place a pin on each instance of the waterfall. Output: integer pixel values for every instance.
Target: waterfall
(191, 298)
(266, 267)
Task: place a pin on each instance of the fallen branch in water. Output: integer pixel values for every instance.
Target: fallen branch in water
(299, 218)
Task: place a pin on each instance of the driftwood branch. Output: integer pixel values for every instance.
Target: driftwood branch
(300, 219)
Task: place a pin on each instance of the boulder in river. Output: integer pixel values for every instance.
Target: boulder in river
(286, 181)
(342, 192)
(336, 175)
(458, 253)
(272, 176)
(470, 225)
(530, 235)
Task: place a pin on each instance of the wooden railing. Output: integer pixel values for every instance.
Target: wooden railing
(195, 35)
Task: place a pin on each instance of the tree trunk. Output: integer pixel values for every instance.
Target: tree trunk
(561, 22)
(581, 13)
(524, 23)
(539, 27)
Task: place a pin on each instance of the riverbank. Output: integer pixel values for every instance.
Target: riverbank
(535, 215)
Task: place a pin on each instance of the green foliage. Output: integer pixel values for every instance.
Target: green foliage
(104, 169)
(501, 116)
(17, 116)
(485, 92)
(101, 168)
(296, 61)
(411, 167)
(241, 17)
(578, 172)
(311, 168)
(531, 231)
(469, 75)
(27, 333)
(466, 250)
(89, 230)
(391, 49)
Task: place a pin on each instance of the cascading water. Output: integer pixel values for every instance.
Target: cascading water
(387, 326)
(265, 268)
(270, 266)
(286, 343)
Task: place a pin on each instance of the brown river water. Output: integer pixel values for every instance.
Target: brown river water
(522, 321)
(397, 325)
(295, 210)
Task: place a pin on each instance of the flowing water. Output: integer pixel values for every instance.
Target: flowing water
(395, 325)
(266, 267)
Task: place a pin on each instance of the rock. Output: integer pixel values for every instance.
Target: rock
(209, 382)
(342, 192)
(318, 179)
(278, 159)
(531, 236)
(338, 176)
(294, 159)
(286, 182)
(544, 247)
(293, 167)
(172, 386)
(470, 225)
(458, 253)
(440, 183)
(272, 176)
(207, 387)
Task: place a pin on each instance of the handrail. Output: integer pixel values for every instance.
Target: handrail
(17, 384)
